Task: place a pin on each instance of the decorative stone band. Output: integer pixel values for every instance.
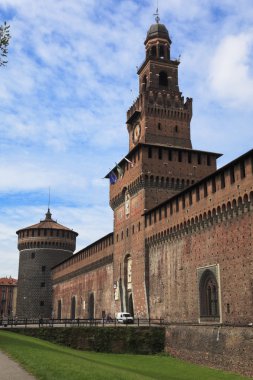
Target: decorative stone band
(145, 182)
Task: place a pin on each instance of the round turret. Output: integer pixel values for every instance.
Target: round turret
(41, 246)
(47, 234)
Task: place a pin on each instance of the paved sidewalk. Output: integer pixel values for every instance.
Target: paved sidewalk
(10, 370)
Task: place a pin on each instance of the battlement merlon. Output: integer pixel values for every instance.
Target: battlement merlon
(159, 99)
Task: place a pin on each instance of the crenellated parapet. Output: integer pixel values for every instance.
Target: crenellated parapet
(168, 105)
(137, 106)
(226, 193)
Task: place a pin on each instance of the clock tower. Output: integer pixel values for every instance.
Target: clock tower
(159, 164)
(160, 115)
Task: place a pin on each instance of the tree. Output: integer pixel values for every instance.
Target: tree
(4, 42)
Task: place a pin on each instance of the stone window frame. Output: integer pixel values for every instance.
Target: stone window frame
(214, 270)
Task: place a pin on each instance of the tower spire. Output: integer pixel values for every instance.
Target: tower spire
(49, 198)
(157, 18)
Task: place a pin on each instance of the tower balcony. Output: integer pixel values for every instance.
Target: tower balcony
(135, 110)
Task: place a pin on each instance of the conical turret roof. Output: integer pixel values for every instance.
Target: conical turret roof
(49, 223)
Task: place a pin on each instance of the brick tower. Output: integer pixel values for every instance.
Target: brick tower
(41, 247)
(159, 164)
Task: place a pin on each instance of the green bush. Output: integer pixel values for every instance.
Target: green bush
(135, 340)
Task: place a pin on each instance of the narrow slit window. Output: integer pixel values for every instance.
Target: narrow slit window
(242, 169)
(232, 175)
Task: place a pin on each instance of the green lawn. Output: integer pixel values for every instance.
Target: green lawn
(50, 361)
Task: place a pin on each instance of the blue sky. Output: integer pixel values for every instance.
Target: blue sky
(70, 79)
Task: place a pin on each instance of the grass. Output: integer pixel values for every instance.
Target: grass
(48, 361)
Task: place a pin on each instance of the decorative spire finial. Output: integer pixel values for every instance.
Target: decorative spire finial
(48, 214)
(157, 18)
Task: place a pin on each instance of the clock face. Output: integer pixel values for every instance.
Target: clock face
(136, 133)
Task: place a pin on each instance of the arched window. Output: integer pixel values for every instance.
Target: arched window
(73, 308)
(144, 82)
(91, 306)
(168, 53)
(59, 309)
(208, 295)
(153, 51)
(161, 51)
(163, 80)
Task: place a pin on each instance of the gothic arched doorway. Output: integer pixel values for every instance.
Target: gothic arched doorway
(91, 306)
(73, 308)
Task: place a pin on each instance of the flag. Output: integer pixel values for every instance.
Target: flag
(130, 162)
(119, 170)
(112, 177)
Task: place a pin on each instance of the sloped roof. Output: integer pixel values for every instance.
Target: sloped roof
(48, 223)
(8, 281)
(157, 31)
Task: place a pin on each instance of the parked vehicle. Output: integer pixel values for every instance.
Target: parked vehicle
(123, 317)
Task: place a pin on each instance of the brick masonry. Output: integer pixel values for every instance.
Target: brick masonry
(219, 347)
(176, 217)
(181, 246)
(215, 230)
(41, 246)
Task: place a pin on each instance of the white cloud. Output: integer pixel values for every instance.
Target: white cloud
(66, 90)
(230, 77)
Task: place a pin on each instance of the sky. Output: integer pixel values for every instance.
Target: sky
(71, 77)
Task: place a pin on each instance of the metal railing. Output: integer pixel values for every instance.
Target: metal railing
(67, 322)
(105, 322)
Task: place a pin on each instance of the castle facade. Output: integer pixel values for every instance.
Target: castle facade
(181, 247)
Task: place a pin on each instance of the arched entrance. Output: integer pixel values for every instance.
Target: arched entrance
(73, 308)
(91, 306)
(130, 304)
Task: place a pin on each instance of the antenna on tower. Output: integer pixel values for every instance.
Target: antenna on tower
(49, 197)
(157, 18)
(48, 214)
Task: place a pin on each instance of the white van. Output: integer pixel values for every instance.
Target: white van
(123, 317)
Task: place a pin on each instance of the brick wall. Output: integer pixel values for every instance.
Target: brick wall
(34, 297)
(227, 348)
(216, 230)
(88, 272)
